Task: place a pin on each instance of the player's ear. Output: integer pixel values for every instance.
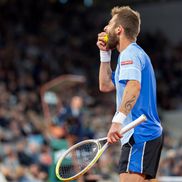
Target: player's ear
(119, 30)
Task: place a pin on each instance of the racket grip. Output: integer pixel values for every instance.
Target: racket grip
(133, 124)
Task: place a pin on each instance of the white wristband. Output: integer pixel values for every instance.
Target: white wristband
(119, 117)
(105, 56)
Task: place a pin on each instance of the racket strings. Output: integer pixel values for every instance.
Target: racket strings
(78, 159)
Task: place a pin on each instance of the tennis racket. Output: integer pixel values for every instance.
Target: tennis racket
(79, 158)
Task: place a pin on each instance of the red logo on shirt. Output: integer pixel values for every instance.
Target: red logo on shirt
(126, 62)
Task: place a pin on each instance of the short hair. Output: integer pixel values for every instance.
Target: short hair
(128, 19)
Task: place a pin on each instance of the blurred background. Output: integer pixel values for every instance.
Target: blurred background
(49, 96)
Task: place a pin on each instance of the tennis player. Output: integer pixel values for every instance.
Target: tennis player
(135, 85)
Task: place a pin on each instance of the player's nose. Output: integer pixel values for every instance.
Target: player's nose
(105, 28)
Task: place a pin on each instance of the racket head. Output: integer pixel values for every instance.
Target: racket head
(78, 159)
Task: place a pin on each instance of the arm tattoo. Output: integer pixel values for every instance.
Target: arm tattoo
(109, 73)
(129, 104)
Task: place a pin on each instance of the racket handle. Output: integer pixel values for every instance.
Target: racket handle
(131, 125)
(134, 123)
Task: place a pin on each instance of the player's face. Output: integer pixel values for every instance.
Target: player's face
(113, 40)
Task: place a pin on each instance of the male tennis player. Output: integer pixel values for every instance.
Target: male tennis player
(135, 85)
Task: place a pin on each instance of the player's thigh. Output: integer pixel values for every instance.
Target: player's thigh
(151, 180)
(132, 177)
(141, 158)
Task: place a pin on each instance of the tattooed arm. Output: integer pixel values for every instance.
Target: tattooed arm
(130, 96)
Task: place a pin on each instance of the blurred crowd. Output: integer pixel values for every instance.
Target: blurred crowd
(41, 40)
(171, 163)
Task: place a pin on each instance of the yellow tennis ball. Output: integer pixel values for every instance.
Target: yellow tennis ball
(106, 38)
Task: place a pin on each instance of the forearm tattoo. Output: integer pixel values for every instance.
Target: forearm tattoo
(129, 104)
(109, 74)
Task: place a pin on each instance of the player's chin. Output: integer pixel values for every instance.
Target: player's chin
(111, 46)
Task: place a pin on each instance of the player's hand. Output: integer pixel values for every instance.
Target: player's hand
(101, 44)
(114, 133)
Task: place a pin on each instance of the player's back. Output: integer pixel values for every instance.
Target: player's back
(146, 102)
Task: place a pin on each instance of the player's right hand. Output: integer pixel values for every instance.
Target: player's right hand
(114, 133)
(101, 44)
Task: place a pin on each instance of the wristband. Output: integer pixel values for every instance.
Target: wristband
(119, 117)
(105, 56)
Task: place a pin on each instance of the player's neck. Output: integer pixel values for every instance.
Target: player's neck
(124, 43)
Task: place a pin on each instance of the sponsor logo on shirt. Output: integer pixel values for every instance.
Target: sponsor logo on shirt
(126, 62)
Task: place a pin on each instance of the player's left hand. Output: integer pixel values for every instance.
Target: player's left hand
(114, 133)
(101, 43)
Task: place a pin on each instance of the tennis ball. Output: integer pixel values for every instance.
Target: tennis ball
(106, 38)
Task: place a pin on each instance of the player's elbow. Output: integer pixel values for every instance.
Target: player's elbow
(104, 88)
(137, 86)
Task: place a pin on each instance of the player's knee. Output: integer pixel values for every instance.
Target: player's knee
(130, 177)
